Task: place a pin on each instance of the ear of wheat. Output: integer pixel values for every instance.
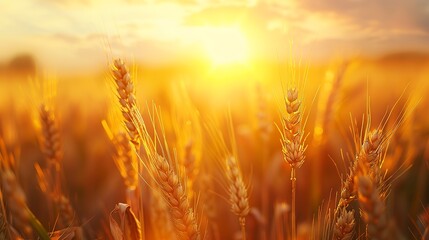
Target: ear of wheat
(237, 193)
(293, 147)
(51, 145)
(175, 196)
(368, 155)
(127, 99)
(373, 209)
(126, 161)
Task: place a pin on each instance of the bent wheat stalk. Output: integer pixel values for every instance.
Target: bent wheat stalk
(175, 196)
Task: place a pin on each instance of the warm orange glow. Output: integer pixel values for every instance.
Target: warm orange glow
(225, 45)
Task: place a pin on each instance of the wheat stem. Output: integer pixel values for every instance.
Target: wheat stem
(242, 221)
(293, 147)
(37, 226)
(293, 179)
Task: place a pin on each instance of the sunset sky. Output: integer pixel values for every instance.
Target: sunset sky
(79, 34)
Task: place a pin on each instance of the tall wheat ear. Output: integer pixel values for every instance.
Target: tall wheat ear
(293, 146)
(174, 194)
(127, 99)
(369, 154)
(128, 164)
(165, 177)
(237, 193)
(225, 154)
(53, 152)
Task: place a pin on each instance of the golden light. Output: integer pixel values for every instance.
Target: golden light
(225, 45)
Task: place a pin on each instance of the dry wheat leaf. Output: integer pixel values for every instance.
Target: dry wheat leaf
(129, 227)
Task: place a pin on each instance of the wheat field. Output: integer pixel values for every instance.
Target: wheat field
(217, 144)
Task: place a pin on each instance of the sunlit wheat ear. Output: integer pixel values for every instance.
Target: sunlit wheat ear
(343, 229)
(175, 196)
(126, 160)
(237, 192)
(127, 99)
(373, 209)
(237, 189)
(293, 146)
(368, 155)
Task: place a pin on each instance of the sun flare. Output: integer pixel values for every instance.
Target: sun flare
(226, 45)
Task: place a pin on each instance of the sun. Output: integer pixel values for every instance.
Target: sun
(225, 46)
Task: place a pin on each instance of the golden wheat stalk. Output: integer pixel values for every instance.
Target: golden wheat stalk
(368, 155)
(127, 99)
(52, 149)
(127, 164)
(125, 160)
(373, 209)
(237, 193)
(51, 144)
(176, 198)
(293, 146)
(133, 122)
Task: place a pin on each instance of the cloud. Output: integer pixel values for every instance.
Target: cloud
(169, 30)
